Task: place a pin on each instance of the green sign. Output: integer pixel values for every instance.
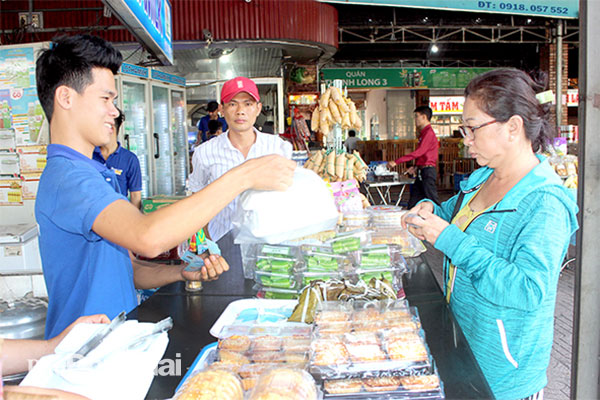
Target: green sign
(426, 78)
(540, 8)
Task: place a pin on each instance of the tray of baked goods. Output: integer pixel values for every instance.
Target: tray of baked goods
(366, 339)
(251, 351)
(217, 383)
(385, 387)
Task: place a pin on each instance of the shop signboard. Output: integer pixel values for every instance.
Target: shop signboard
(545, 8)
(416, 78)
(573, 98)
(149, 21)
(442, 105)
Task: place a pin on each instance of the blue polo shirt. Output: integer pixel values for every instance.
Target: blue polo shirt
(85, 273)
(203, 126)
(126, 166)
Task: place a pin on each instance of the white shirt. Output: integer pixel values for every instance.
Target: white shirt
(217, 156)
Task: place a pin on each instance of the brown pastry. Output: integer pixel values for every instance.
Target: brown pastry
(248, 383)
(254, 370)
(395, 313)
(291, 357)
(210, 385)
(367, 326)
(266, 343)
(334, 328)
(381, 384)
(232, 357)
(329, 352)
(422, 382)
(365, 352)
(266, 356)
(331, 316)
(402, 324)
(361, 337)
(237, 343)
(296, 343)
(285, 383)
(366, 315)
(227, 366)
(406, 350)
(343, 386)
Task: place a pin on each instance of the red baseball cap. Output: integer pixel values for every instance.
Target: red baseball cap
(238, 85)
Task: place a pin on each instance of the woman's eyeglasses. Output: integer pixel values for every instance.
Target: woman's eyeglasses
(469, 131)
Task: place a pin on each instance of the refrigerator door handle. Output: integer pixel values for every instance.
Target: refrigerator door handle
(157, 153)
(126, 140)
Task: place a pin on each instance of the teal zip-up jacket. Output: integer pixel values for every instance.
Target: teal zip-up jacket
(508, 262)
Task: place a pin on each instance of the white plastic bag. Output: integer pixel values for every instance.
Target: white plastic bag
(307, 207)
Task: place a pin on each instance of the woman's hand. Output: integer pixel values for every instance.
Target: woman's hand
(423, 223)
(214, 266)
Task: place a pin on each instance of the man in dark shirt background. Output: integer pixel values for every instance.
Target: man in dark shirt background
(213, 115)
(426, 156)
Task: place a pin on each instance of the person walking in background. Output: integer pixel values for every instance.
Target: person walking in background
(426, 156)
(123, 163)
(350, 142)
(504, 236)
(241, 142)
(213, 115)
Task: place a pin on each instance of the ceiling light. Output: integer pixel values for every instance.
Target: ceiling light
(434, 48)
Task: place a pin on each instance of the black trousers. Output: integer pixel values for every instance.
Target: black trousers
(424, 187)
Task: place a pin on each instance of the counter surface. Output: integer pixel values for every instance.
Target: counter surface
(194, 314)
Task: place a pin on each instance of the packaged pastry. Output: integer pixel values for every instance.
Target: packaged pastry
(342, 386)
(383, 216)
(321, 259)
(349, 241)
(408, 245)
(276, 280)
(285, 383)
(211, 384)
(354, 219)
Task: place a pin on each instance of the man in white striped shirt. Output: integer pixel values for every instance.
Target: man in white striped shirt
(241, 107)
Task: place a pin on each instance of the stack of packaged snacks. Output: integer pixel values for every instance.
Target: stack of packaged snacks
(348, 242)
(274, 271)
(385, 216)
(250, 351)
(407, 244)
(355, 219)
(372, 348)
(381, 262)
(321, 263)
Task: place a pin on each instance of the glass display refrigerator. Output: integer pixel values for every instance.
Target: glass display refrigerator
(154, 105)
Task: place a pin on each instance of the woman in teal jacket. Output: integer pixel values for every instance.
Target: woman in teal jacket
(505, 235)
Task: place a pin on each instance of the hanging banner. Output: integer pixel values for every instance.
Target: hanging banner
(538, 8)
(149, 21)
(415, 78)
(441, 105)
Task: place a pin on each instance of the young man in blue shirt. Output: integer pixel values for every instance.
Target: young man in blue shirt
(123, 163)
(87, 228)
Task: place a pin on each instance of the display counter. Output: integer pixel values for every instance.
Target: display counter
(194, 314)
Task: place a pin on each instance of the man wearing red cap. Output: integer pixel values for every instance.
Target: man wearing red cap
(241, 142)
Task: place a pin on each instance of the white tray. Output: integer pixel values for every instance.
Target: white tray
(268, 312)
